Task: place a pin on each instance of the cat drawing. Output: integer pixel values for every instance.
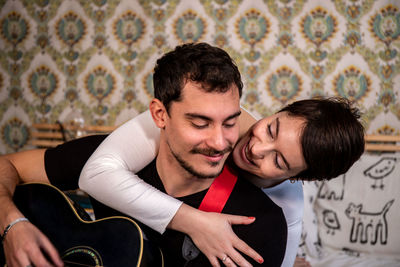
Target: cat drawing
(368, 226)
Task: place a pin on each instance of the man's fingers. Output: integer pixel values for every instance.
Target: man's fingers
(51, 252)
(29, 256)
(38, 258)
(21, 260)
(27, 246)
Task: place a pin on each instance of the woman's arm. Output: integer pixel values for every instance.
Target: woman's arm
(109, 174)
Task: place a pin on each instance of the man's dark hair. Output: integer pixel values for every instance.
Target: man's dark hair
(202, 63)
(332, 138)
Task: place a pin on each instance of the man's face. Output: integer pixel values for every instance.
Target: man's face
(202, 129)
(271, 149)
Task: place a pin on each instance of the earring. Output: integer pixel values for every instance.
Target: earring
(293, 180)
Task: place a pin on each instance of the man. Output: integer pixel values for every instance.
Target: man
(197, 90)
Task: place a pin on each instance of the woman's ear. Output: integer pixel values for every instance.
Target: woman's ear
(158, 112)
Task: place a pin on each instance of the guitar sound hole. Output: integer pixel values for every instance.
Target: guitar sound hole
(81, 256)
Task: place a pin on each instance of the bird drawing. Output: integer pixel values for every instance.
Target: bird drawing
(380, 170)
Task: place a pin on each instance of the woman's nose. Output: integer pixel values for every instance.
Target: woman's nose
(260, 149)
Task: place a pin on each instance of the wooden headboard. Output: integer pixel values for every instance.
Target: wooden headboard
(45, 135)
(383, 143)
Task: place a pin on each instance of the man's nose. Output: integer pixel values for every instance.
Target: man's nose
(217, 139)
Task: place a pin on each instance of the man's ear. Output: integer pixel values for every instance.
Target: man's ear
(158, 112)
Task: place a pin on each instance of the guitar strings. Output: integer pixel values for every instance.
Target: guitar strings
(81, 264)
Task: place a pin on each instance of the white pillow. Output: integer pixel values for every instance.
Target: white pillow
(356, 214)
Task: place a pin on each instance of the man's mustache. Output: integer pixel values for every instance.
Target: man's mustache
(210, 151)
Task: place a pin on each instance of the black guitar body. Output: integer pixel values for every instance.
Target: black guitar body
(113, 242)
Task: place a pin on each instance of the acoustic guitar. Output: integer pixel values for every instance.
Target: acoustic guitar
(113, 242)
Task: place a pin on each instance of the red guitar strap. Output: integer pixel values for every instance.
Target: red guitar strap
(219, 191)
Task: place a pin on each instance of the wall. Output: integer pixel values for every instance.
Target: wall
(93, 59)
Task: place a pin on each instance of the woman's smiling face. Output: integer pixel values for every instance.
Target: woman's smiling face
(271, 149)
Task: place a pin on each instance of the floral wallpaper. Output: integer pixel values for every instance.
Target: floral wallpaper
(94, 59)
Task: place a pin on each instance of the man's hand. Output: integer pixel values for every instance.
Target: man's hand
(25, 245)
(212, 233)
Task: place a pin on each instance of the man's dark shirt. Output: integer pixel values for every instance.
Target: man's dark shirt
(267, 235)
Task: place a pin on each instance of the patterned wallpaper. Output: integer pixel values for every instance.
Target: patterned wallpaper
(94, 59)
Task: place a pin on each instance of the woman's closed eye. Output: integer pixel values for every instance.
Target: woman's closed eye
(273, 129)
(276, 161)
(269, 129)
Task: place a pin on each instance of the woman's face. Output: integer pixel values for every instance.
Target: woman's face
(271, 148)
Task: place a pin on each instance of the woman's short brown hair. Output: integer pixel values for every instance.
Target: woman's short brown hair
(332, 138)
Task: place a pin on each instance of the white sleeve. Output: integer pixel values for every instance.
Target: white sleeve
(109, 174)
(289, 197)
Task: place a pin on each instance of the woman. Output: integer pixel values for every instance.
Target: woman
(309, 139)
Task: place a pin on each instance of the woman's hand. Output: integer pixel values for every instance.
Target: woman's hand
(212, 234)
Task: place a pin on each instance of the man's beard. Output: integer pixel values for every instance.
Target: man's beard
(209, 152)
